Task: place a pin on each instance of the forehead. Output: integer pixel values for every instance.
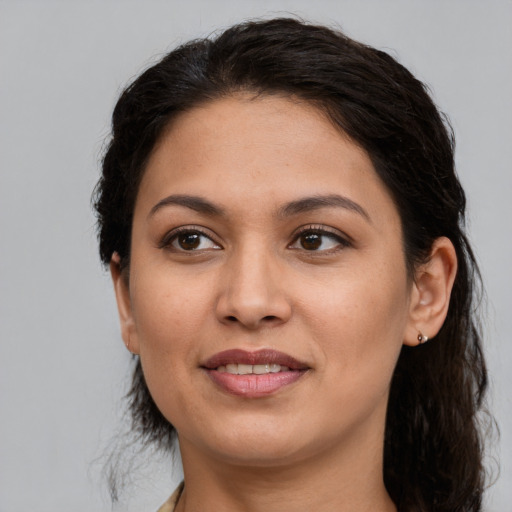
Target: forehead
(277, 126)
(245, 148)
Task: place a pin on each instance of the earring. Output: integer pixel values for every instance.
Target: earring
(422, 338)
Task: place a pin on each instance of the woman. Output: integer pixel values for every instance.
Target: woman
(284, 229)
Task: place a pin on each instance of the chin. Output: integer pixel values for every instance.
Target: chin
(259, 444)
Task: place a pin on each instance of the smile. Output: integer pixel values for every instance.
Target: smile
(249, 369)
(253, 374)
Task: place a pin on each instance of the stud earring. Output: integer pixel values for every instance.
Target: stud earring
(422, 338)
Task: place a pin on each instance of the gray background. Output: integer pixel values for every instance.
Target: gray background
(63, 367)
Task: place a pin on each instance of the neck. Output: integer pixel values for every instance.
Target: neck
(340, 479)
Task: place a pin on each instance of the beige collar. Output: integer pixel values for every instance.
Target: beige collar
(170, 504)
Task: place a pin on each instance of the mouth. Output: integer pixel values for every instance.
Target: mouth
(253, 374)
(252, 369)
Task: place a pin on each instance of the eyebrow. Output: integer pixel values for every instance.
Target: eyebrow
(305, 204)
(195, 203)
(308, 204)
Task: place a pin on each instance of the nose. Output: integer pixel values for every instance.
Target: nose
(252, 291)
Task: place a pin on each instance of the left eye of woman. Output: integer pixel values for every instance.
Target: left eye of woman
(318, 240)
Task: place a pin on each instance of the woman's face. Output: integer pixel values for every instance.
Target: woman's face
(268, 296)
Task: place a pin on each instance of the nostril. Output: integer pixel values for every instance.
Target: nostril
(268, 318)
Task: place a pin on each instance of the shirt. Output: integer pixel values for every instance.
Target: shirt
(170, 504)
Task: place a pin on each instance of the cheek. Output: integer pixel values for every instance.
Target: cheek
(359, 321)
(358, 330)
(167, 312)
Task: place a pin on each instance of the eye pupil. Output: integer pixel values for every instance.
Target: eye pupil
(311, 241)
(189, 241)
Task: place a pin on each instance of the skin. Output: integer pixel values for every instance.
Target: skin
(344, 308)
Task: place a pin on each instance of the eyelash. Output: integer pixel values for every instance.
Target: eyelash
(342, 241)
(171, 237)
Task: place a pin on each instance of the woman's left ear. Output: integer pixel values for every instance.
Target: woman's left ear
(431, 291)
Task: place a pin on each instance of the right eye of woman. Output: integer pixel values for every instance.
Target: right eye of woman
(188, 240)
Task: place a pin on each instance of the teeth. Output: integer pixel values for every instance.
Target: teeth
(248, 369)
(244, 369)
(260, 369)
(232, 368)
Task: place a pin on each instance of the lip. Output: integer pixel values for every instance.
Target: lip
(252, 385)
(258, 357)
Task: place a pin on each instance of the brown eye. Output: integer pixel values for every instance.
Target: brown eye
(310, 241)
(189, 241)
(319, 240)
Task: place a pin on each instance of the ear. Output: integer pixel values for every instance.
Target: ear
(431, 292)
(124, 307)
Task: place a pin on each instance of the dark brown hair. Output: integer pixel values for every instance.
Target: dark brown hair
(433, 443)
